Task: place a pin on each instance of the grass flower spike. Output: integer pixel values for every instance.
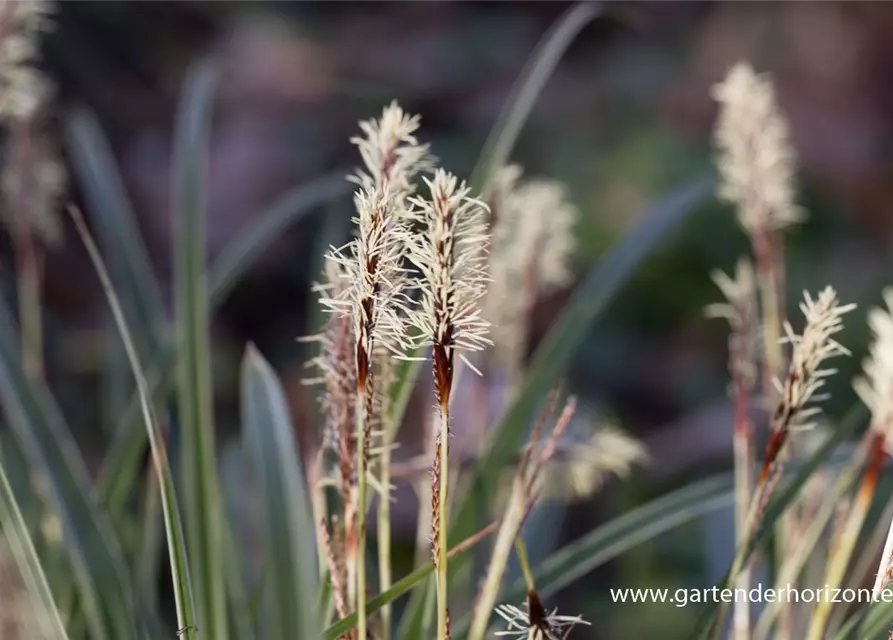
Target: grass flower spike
(810, 350)
(371, 265)
(804, 379)
(24, 88)
(532, 243)
(450, 254)
(390, 151)
(756, 162)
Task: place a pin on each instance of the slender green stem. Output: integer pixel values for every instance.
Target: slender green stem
(28, 283)
(521, 548)
(384, 535)
(360, 551)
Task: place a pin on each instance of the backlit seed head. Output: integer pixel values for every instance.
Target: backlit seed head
(756, 159)
(23, 88)
(530, 255)
(450, 254)
(391, 153)
(875, 386)
(810, 349)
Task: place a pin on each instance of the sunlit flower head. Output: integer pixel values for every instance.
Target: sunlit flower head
(757, 161)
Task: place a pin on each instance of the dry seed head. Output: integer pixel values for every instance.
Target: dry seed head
(740, 309)
(23, 88)
(579, 470)
(337, 372)
(372, 268)
(757, 161)
(503, 184)
(532, 246)
(450, 254)
(875, 387)
(33, 181)
(805, 377)
(391, 152)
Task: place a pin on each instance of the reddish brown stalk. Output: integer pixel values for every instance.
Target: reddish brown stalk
(338, 592)
(876, 456)
(776, 442)
(435, 505)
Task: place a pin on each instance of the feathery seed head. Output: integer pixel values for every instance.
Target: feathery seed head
(32, 181)
(450, 254)
(740, 309)
(22, 86)
(580, 469)
(372, 261)
(816, 344)
(757, 161)
(390, 151)
(337, 373)
(503, 184)
(875, 387)
(532, 245)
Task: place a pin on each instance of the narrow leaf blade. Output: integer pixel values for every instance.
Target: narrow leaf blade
(289, 532)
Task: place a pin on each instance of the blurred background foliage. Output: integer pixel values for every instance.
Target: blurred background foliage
(626, 117)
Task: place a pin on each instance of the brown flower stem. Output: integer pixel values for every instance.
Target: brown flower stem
(443, 379)
(439, 522)
(359, 553)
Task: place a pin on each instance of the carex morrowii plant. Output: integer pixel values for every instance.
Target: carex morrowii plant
(413, 280)
(756, 166)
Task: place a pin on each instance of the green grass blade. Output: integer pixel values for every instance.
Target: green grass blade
(44, 622)
(147, 558)
(199, 483)
(289, 532)
(170, 510)
(121, 466)
(239, 254)
(242, 623)
(117, 230)
(537, 71)
(40, 429)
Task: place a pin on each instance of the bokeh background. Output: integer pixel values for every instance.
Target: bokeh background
(626, 119)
